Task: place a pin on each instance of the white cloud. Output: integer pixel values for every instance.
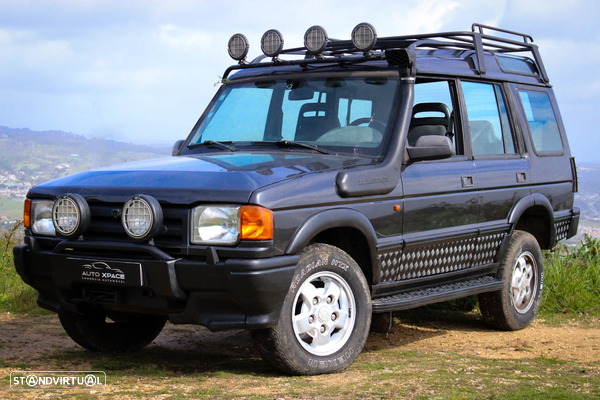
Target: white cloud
(184, 38)
(26, 48)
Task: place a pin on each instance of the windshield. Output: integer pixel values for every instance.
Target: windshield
(347, 115)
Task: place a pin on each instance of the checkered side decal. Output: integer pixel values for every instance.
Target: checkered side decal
(487, 248)
(562, 229)
(439, 258)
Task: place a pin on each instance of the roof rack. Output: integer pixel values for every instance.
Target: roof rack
(477, 40)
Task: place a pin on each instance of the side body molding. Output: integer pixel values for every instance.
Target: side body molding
(337, 218)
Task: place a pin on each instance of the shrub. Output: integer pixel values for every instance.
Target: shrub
(15, 295)
(572, 279)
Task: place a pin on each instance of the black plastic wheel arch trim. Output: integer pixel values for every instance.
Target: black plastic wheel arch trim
(337, 218)
(531, 200)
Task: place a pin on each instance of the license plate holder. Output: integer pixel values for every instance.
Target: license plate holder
(105, 272)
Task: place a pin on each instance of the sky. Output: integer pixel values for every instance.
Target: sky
(143, 71)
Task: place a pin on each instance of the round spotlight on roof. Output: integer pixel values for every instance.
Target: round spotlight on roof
(238, 47)
(70, 215)
(142, 217)
(364, 36)
(315, 39)
(271, 43)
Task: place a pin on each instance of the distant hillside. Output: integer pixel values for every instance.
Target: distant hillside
(28, 158)
(38, 153)
(588, 198)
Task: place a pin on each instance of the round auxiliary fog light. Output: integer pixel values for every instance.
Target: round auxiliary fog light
(364, 36)
(315, 39)
(238, 47)
(271, 43)
(70, 215)
(142, 217)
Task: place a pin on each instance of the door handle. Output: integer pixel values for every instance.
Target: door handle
(521, 177)
(467, 181)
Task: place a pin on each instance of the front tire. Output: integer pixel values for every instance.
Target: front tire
(124, 333)
(522, 270)
(325, 319)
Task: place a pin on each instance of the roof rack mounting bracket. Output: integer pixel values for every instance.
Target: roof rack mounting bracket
(479, 52)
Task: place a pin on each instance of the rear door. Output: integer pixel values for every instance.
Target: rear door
(503, 170)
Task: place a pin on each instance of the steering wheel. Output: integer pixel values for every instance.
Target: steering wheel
(378, 126)
(358, 121)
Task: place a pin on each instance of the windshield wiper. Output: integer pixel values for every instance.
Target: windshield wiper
(291, 143)
(221, 145)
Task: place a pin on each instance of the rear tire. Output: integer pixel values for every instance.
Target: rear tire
(522, 270)
(125, 333)
(325, 319)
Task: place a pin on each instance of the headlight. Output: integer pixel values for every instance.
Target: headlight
(364, 36)
(315, 39)
(215, 225)
(226, 225)
(70, 215)
(142, 217)
(238, 47)
(41, 217)
(271, 43)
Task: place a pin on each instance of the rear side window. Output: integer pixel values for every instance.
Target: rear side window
(488, 119)
(542, 121)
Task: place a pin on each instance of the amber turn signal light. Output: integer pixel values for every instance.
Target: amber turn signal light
(27, 214)
(257, 223)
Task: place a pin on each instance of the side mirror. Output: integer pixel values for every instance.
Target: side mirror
(431, 147)
(177, 147)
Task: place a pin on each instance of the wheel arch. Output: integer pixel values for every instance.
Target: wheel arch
(344, 228)
(533, 213)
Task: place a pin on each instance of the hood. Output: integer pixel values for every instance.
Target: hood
(223, 177)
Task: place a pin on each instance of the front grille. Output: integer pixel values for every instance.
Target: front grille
(105, 225)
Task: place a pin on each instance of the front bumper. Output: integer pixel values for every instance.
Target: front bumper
(221, 295)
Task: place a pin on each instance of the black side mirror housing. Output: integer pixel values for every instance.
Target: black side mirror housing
(431, 147)
(177, 147)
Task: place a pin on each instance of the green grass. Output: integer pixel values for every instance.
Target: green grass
(572, 279)
(15, 295)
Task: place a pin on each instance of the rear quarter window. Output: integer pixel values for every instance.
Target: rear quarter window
(541, 120)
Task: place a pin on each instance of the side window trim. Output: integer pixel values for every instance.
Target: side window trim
(514, 117)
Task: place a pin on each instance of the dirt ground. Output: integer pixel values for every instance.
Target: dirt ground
(32, 339)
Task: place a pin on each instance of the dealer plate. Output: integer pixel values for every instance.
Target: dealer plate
(109, 272)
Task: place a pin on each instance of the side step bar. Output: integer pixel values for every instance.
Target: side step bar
(421, 297)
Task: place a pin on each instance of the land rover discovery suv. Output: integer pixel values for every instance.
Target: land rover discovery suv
(323, 188)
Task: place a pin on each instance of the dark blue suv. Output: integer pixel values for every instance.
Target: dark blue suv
(323, 188)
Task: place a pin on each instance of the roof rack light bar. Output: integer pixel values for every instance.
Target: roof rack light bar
(344, 51)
